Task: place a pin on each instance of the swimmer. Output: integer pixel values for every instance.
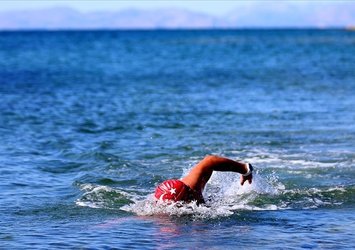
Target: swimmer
(190, 187)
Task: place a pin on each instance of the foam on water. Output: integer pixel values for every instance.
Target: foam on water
(224, 197)
(285, 160)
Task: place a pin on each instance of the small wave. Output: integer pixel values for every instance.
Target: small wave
(297, 160)
(96, 196)
(316, 197)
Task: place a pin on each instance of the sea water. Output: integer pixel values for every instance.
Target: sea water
(92, 121)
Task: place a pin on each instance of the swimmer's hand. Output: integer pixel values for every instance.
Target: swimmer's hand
(248, 176)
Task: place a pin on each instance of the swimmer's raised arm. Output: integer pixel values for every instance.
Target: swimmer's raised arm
(191, 186)
(218, 163)
(201, 173)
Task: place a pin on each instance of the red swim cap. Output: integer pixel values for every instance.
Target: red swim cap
(174, 190)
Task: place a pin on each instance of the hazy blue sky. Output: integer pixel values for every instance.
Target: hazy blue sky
(211, 7)
(175, 14)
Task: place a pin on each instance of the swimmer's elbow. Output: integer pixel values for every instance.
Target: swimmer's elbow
(211, 158)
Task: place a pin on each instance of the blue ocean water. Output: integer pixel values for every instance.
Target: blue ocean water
(92, 121)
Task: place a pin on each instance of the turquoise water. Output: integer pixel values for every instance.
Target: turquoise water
(91, 122)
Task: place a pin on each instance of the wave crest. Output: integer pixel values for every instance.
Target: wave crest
(97, 196)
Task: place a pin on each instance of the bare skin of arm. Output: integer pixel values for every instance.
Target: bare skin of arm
(201, 173)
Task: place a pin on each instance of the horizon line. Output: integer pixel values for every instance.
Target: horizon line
(348, 28)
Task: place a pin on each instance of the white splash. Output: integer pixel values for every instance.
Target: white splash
(224, 196)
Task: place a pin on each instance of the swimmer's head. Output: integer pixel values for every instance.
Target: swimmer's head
(171, 190)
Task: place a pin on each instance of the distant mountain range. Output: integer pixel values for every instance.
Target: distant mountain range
(282, 14)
